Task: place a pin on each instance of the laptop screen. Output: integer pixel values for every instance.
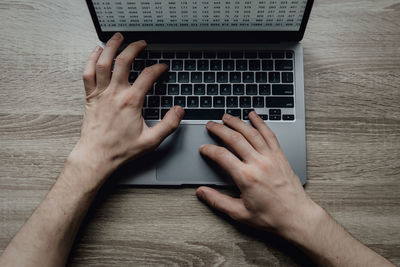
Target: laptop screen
(199, 15)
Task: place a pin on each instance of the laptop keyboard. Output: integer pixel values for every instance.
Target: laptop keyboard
(208, 84)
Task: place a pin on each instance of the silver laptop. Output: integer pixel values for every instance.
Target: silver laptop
(225, 56)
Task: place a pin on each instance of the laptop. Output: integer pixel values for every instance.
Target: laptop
(224, 56)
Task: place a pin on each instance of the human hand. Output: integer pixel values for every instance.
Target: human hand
(113, 129)
(272, 197)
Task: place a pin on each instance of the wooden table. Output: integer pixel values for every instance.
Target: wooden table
(352, 81)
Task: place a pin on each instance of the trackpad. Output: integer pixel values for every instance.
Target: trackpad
(181, 162)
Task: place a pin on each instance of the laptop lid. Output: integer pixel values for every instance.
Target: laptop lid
(201, 21)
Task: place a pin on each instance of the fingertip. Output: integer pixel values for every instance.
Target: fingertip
(179, 111)
(200, 192)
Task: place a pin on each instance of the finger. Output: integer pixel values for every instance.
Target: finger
(103, 66)
(265, 131)
(224, 158)
(166, 126)
(89, 73)
(145, 81)
(124, 60)
(233, 139)
(233, 207)
(252, 135)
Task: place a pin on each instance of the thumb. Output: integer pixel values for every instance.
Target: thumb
(233, 207)
(168, 124)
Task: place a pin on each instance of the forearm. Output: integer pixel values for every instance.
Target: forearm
(46, 238)
(329, 244)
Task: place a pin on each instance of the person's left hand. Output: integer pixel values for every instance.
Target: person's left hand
(113, 129)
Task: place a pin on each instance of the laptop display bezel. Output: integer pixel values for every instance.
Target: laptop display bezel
(206, 36)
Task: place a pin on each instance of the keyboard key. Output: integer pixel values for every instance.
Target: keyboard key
(138, 65)
(248, 77)
(245, 101)
(222, 54)
(228, 65)
(153, 102)
(180, 101)
(238, 89)
(283, 65)
(209, 77)
(177, 65)
(278, 55)
(250, 54)
(160, 89)
(171, 77)
(152, 54)
(274, 77)
(186, 89)
(204, 114)
(235, 77)
(202, 65)
(183, 77)
(282, 89)
(210, 54)
(254, 65)
(241, 64)
(182, 54)
(193, 101)
(215, 65)
(237, 54)
(173, 89)
(150, 62)
(199, 89)
(166, 101)
(163, 112)
(151, 114)
(275, 117)
(219, 101)
(263, 54)
(251, 89)
(222, 77)
(258, 102)
(205, 102)
(190, 64)
(274, 112)
(232, 101)
(279, 102)
(289, 54)
(234, 112)
(288, 117)
(287, 77)
(263, 116)
(196, 54)
(264, 89)
(151, 91)
(212, 89)
(142, 55)
(261, 77)
(168, 55)
(197, 77)
(246, 113)
(225, 89)
(267, 65)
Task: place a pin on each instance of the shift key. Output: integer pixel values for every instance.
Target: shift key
(280, 102)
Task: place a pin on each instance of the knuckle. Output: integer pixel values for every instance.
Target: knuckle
(236, 137)
(101, 66)
(253, 133)
(86, 76)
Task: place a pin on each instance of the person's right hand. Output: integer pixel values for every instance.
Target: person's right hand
(272, 197)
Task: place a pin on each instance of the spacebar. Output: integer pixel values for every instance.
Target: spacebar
(203, 114)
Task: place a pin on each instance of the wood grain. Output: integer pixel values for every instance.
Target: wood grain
(352, 78)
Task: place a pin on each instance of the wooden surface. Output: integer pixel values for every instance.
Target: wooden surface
(352, 81)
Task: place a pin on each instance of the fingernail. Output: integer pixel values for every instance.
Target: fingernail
(117, 36)
(179, 111)
(200, 194)
(97, 48)
(253, 113)
(226, 116)
(143, 42)
(210, 123)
